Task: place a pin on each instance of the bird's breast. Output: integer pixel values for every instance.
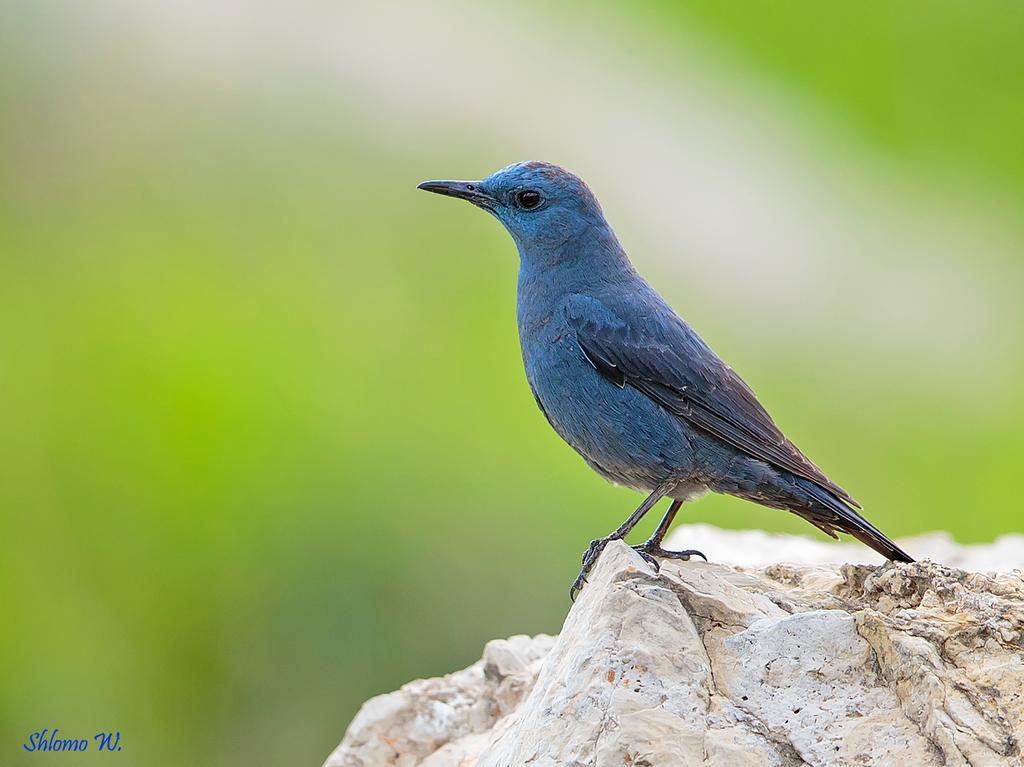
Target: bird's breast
(624, 435)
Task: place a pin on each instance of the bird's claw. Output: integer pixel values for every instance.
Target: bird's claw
(576, 587)
(650, 551)
(589, 558)
(648, 558)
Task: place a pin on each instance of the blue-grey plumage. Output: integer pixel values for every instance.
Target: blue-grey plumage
(626, 382)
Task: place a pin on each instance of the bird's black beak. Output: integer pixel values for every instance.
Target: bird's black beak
(464, 190)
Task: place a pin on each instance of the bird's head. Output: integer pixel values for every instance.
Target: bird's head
(540, 204)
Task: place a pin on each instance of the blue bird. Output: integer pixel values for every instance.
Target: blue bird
(628, 384)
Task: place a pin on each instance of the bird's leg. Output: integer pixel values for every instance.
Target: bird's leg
(651, 548)
(597, 546)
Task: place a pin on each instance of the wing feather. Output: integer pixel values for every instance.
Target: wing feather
(663, 358)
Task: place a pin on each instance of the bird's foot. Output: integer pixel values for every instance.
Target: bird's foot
(652, 550)
(589, 558)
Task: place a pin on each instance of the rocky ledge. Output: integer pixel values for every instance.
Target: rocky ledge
(771, 664)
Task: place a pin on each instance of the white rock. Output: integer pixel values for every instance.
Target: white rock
(756, 548)
(769, 664)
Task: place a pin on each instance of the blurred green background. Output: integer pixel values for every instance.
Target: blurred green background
(267, 446)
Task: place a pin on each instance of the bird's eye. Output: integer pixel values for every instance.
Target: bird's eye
(528, 199)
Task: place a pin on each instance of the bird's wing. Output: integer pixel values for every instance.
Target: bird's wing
(662, 357)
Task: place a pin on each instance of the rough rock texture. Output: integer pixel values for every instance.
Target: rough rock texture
(775, 665)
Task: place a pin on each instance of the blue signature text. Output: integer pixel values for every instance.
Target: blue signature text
(50, 740)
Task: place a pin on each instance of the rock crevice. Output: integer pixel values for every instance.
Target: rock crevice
(706, 664)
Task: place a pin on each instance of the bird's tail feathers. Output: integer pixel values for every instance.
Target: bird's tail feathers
(830, 514)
